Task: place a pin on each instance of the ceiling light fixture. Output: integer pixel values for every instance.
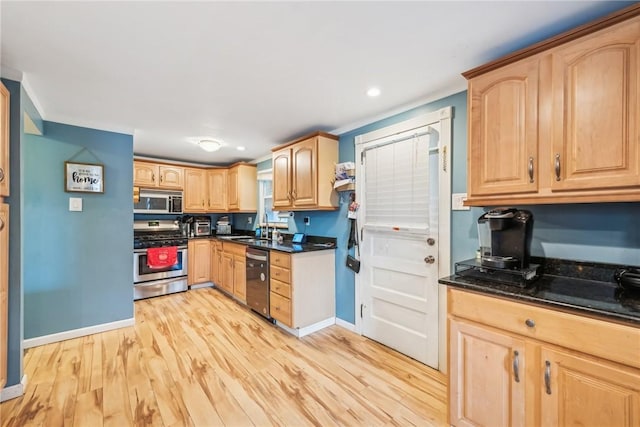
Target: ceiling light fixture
(209, 145)
(240, 148)
(373, 92)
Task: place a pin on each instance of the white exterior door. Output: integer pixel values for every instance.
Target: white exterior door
(398, 188)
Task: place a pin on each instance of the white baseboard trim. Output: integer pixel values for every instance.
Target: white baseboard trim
(344, 324)
(14, 391)
(76, 333)
(301, 332)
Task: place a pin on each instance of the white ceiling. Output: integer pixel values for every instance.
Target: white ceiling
(257, 74)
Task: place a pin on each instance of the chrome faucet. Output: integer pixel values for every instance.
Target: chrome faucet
(266, 221)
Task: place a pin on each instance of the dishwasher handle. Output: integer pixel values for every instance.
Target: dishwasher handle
(257, 257)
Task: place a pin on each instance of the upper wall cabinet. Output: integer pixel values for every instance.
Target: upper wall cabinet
(303, 173)
(242, 188)
(154, 175)
(559, 122)
(195, 190)
(4, 141)
(217, 190)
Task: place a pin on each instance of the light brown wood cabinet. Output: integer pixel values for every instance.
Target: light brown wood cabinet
(234, 276)
(303, 173)
(4, 141)
(559, 122)
(199, 264)
(4, 291)
(535, 366)
(217, 190)
(195, 190)
(302, 289)
(242, 188)
(155, 175)
(216, 262)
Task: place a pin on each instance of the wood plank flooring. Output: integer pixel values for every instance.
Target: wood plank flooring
(200, 359)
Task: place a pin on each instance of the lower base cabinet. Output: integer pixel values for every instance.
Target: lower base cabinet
(513, 364)
(302, 288)
(4, 290)
(198, 266)
(233, 278)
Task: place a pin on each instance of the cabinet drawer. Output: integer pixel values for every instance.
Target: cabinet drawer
(280, 259)
(281, 288)
(279, 273)
(612, 341)
(234, 248)
(280, 308)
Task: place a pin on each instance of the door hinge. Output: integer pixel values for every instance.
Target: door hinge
(362, 157)
(361, 305)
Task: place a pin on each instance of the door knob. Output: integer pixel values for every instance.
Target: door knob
(429, 259)
(431, 241)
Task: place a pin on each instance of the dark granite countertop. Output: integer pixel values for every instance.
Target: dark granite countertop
(584, 288)
(314, 243)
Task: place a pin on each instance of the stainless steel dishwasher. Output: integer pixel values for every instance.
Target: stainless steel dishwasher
(258, 281)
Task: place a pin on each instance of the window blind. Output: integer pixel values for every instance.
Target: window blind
(397, 185)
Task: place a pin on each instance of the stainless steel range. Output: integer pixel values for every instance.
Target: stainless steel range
(153, 275)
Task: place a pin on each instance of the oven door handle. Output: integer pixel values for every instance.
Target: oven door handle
(256, 257)
(144, 251)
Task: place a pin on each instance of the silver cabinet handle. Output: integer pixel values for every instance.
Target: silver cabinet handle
(516, 366)
(153, 177)
(547, 376)
(1, 224)
(530, 323)
(160, 178)
(557, 167)
(530, 169)
(1, 174)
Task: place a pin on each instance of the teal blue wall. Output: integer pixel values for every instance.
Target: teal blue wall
(78, 265)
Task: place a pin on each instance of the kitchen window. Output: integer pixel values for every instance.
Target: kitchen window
(279, 219)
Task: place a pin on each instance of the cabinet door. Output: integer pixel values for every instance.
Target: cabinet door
(4, 141)
(581, 391)
(199, 261)
(487, 376)
(232, 189)
(595, 110)
(194, 190)
(171, 177)
(217, 190)
(304, 173)
(503, 130)
(282, 178)
(145, 174)
(4, 296)
(226, 281)
(240, 277)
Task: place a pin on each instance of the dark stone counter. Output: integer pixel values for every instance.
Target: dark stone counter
(586, 288)
(314, 243)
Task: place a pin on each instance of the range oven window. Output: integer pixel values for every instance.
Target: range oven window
(143, 268)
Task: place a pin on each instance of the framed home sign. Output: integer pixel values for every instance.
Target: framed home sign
(83, 177)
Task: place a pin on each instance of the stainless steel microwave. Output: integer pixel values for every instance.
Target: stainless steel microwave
(159, 202)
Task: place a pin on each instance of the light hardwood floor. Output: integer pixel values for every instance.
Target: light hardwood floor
(200, 359)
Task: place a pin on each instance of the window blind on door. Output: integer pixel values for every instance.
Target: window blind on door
(397, 185)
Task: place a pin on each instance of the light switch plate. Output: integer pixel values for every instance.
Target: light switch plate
(457, 200)
(75, 204)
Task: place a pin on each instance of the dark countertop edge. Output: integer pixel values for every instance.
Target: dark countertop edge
(518, 297)
(306, 247)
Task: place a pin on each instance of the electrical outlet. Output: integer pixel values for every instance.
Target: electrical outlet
(457, 202)
(307, 220)
(250, 220)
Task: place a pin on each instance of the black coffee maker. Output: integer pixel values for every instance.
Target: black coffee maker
(505, 238)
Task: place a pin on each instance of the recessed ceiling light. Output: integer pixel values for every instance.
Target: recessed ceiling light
(373, 92)
(240, 148)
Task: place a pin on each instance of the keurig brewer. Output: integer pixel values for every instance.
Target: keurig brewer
(505, 238)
